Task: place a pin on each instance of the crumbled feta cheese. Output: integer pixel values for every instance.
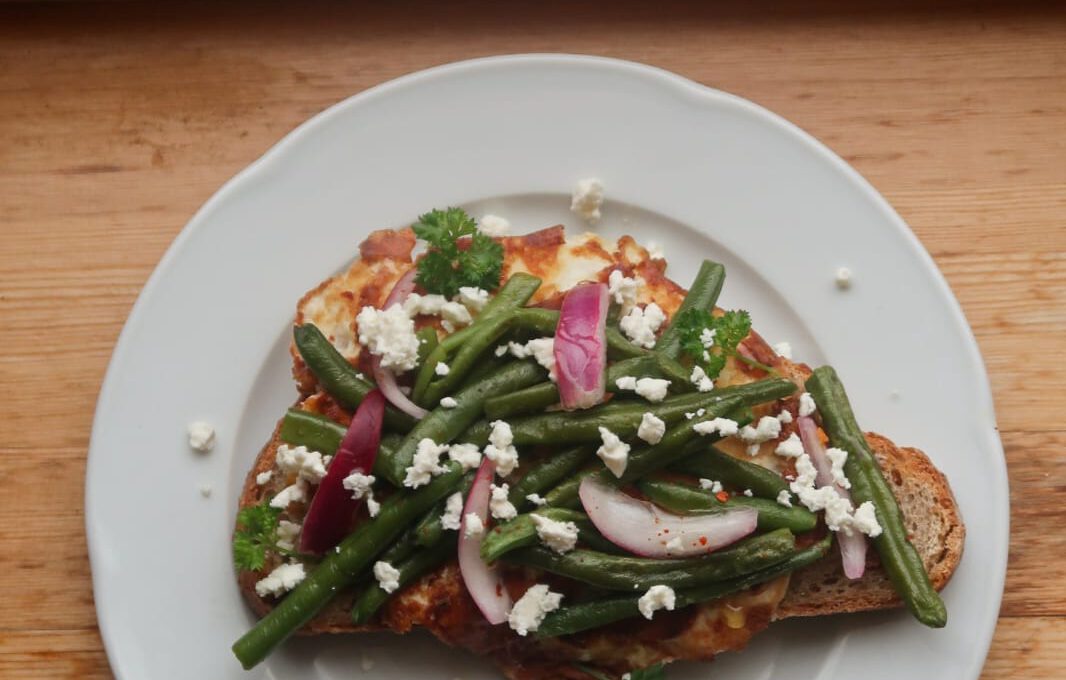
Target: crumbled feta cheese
(280, 581)
(536, 499)
(655, 251)
(528, 613)
(472, 298)
(783, 349)
(500, 450)
(766, 429)
(388, 576)
(559, 536)
(541, 349)
(700, 380)
(367, 664)
(748, 493)
(499, 506)
(359, 484)
(807, 406)
(453, 315)
(707, 336)
(713, 486)
(614, 452)
(474, 527)
(837, 457)
(652, 428)
(865, 520)
(417, 304)
(587, 200)
(494, 225)
(441, 369)
(640, 324)
(288, 532)
(784, 498)
(425, 464)
(843, 278)
(785, 416)
(201, 436)
(501, 350)
(720, 426)
(657, 597)
(453, 512)
(264, 477)
(839, 512)
(466, 455)
(295, 493)
(626, 382)
(372, 506)
(791, 447)
(389, 334)
(205, 490)
(652, 389)
(623, 289)
(674, 545)
(448, 402)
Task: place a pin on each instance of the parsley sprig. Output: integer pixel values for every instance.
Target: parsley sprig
(447, 267)
(710, 340)
(257, 533)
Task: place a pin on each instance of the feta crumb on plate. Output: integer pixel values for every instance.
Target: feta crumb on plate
(843, 278)
(494, 225)
(587, 200)
(201, 436)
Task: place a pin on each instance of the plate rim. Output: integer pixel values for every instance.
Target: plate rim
(277, 152)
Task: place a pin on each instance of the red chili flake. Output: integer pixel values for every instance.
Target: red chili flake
(722, 496)
(703, 540)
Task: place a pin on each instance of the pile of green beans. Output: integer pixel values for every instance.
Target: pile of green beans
(575, 618)
(408, 531)
(899, 557)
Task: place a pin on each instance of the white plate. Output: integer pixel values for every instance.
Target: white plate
(704, 173)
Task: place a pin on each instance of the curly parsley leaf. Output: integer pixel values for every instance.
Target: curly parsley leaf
(448, 266)
(709, 339)
(257, 528)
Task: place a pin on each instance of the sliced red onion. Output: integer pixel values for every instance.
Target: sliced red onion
(581, 346)
(647, 530)
(385, 378)
(484, 583)
(330, 514)
(853, 546)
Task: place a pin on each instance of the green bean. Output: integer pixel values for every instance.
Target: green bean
(624, 418)
(703, 294)
(630, 573)
(578, 617)
(427, 342)
(710, 463)
(547, 473)
(522, 531)
(340, 568)
(564, 495)
(430, 528)
(317, 432)
(443, 425)
(543, 323)
(491, 323)
(537, 397)
(412, 567)
(684, 499)
(899, 558)
(336, 375)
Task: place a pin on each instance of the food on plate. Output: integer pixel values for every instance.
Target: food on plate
(543, 450)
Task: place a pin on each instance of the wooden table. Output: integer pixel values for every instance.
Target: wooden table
(118, 121)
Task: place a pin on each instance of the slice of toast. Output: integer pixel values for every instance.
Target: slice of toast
(439, 600)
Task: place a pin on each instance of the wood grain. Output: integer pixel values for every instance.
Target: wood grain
(117, 121)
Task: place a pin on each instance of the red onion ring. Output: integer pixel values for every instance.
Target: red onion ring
(644, 529)
(580, 346)
(484, 583)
